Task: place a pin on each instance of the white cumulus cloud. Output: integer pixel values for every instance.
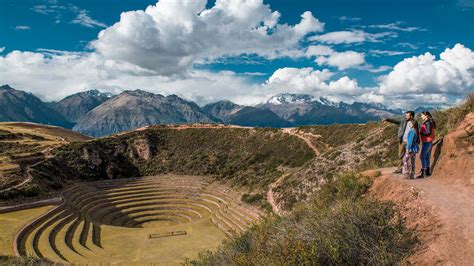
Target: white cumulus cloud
(325, 55)
(316, 83)
(171, 36)
(416, 81)
(452, 74)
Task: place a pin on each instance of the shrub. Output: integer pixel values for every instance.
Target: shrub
(30, 190)
(339, 226)
(257, 199)
(449, 119)
(252, 198)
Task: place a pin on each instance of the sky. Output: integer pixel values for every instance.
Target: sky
(404, 53)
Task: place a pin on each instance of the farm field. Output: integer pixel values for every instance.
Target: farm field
(12, 222)
(162, 219)
(23, 144)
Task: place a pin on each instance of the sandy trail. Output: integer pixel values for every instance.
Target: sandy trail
(270, 194)
(452, 206)
(294, 132)
(28, 178)
(271, 198)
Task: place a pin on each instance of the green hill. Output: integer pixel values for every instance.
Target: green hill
(245, 156)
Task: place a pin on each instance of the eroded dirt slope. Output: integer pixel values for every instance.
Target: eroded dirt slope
(440, 208)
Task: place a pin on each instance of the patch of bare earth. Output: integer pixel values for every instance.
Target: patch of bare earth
(439, 208)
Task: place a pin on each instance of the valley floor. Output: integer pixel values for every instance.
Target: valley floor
(113, 221)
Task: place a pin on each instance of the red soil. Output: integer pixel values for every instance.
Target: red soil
(439, 208)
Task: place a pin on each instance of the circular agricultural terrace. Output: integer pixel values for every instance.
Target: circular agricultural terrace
(150, 219)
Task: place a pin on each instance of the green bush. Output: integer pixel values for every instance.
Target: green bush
(340, 226)
(257, 199)
(252, 198)
(30, 190)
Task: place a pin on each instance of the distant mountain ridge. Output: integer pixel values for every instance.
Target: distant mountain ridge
(134, 109)
(95, 113)
(16, 105)
(302, 109)
(234, 114)
(73, 107)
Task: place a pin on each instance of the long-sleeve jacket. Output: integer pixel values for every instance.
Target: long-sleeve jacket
(427, 131)
(412, 143)
(402, 124)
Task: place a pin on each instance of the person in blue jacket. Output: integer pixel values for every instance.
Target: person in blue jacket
(411, 150)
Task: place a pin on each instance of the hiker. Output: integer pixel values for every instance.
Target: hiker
(427, 134)
(402, 136)
(411, 149)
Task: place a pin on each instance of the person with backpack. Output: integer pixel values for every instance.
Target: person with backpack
(411, 150)
(427, 134)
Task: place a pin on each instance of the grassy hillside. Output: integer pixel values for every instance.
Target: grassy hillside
(246, 157)
(343, 148)
(22, 144)
(338, 224)
(449, 119)
(338, 227)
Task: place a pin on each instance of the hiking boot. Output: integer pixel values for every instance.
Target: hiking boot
(398, 171)
(428, 171)
(422, 175)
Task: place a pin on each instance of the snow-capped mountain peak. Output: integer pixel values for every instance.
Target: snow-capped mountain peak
(288, 98)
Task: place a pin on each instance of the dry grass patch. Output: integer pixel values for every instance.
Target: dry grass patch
(12, 222)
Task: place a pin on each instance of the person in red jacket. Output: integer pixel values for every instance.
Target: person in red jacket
(427, 134)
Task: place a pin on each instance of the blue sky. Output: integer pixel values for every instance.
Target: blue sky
(391, 31)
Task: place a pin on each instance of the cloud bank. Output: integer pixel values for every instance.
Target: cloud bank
(157, 49)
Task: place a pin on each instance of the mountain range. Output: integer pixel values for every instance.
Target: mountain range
(97, 114)
(16, 105)
(134, 109)
(73, 107)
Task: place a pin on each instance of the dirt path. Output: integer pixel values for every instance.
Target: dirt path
(294, 132)
(27, 179)
(32, 204)
(270, 194)
(451, 241)
(270, 197)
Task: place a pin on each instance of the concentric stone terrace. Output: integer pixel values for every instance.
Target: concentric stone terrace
(111, 221)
